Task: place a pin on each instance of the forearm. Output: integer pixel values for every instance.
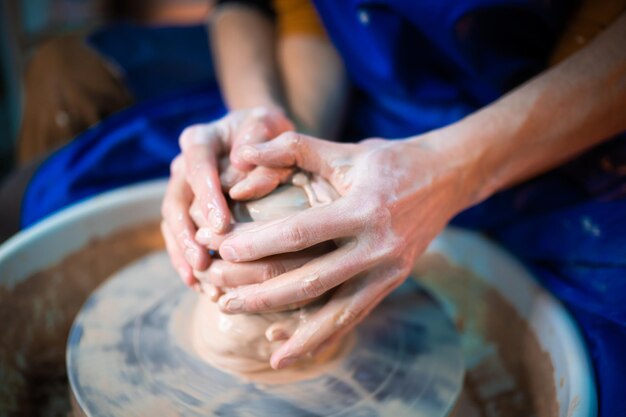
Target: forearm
(315, 83)
(243, 45)
(545, 122)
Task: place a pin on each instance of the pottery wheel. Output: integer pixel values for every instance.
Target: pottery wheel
(125, 357)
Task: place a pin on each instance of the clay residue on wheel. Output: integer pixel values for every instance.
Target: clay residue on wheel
(514, 378)
(37, 314)
(508, 373)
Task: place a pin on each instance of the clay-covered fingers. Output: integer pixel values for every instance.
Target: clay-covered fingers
(229, 174)
(211, 240)
(201, 147)
(210, 290)
(227, 274)
(306, 283)
(293, 149)
(291, 234)
(347, 307)
(185, 252)
(260, 125)
(197, 216)
(178, 259)
(259, 182)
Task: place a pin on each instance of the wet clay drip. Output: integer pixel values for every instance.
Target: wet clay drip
(243, 343)
(508, 373)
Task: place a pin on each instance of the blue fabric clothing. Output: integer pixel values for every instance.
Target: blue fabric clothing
(423, 65)
(416, 66)
(170, 72)
(134, 145)
(569, 227)
(156, 60)
(419, 65)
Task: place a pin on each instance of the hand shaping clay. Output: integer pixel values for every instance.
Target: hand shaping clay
(243, 343)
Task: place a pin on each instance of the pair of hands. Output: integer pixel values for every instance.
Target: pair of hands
(395, 197)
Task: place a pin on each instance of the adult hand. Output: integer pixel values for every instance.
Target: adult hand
(196, 173)
(396, 196)
(223, 275)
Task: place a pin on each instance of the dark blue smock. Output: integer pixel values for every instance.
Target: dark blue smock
(416, 65)
(419, 65)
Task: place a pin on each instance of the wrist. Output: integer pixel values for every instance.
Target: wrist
(454, 152)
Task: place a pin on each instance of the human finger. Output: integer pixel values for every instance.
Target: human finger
(175, 212)
(196, 215)
(259, 182)
(302, 284)
(201, 146)
(281, 330)
(210, 290)
(227, 274)
(229, 176)
(291, 234)
(293, 149)
(262, 124)
(177, 258)
(353, 301)
(206, 237)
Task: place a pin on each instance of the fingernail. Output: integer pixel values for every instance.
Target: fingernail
(232, 304)
(241, 188)
(229, 253)
(285, 362)
(192, 256)
(197, 287)
(229, 178)
(203, 235)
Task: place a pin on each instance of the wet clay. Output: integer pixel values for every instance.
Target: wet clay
(508, 374)
(129, 354)
(243, 343)
(38, 312)
(244, 349)
(36, 315)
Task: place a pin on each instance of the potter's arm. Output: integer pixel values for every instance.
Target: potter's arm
(243, 48)
(545, 122)
(315, 81)
(397, 195)
(261, 63)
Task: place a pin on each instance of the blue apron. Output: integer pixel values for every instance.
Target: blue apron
(419, 65)
(415, 65)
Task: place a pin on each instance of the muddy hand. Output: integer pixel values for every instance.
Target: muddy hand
(196, 175)
(396, 196)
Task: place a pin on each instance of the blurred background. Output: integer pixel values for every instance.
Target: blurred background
(26, 24)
